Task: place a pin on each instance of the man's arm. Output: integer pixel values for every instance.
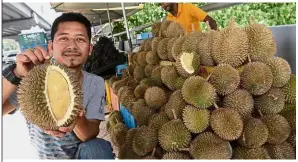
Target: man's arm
(211, 22)
(201, 15)
(7, 90)
(86, 129)
(87, 126)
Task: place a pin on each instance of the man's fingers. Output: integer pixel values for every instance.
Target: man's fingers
(55, 133)
(22, 58)
(39, 55)
(45, 54)
(32, 57)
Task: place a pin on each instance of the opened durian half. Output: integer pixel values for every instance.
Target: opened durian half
(50, 96)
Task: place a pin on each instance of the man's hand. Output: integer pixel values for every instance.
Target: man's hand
(30, 58)
(63, 130)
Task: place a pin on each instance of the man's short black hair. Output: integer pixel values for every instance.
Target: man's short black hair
(70, 17)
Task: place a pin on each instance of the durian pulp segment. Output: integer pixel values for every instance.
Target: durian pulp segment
(59, 94)
(186, 62)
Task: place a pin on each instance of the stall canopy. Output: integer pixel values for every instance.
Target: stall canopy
(19, 16)
(97, 12)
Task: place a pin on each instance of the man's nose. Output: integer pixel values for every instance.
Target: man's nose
(72, 44)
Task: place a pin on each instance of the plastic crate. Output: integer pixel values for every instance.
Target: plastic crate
(119, 69)
(146, 35)
(128, 118)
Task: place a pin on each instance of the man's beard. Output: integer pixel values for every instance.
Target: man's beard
(71, 62)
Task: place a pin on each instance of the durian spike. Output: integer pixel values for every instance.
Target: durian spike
(252, 20)
(232, 22)
(184, 149)
(215, 105)
(174, 114)
(153, 152)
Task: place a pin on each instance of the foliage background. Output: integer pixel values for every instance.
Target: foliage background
(270, 14)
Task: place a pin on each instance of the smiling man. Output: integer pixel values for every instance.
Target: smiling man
(188, 15)
(70, 46)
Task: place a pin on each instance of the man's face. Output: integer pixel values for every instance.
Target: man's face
(167, 6)
(71, 46)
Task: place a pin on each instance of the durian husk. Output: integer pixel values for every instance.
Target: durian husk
(34, 101)
(171, 78)
(226, 123)
(155, 29)
(198, 92)
(256, 78)
(142, 58)
(231, 46)
(262, 44)
(164, 27)
(174, 30)
(241, 101)
(177, 47)
(162, 50)
(207, 145)
(281, 151)
(175, 103)
(173, 135)
(250, 153)
(155, 97)
(170, 47)
(281, 71)
(278, 127)
(255, 133)
(188, 64)
(145, 140)
(290, 90)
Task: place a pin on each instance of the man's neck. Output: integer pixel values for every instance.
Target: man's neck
(174, 12)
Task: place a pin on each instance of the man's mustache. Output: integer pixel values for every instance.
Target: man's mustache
(77, 53)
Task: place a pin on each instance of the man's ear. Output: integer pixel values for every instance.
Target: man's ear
(50, 46)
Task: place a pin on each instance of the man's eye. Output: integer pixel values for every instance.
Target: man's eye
(81, 39)
(63, 38)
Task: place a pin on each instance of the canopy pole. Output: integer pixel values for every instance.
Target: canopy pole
(126, 25)
(108, 11)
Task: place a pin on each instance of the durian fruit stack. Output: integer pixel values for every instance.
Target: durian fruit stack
(245, 108)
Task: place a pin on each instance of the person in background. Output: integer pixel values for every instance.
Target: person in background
(188, 15)
(70, 46)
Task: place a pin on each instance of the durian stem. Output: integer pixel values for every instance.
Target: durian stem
(260, 113)
(215, 105)
(174, 114)
(249, 59)
(251, 20)
(208, 77)
(184, 149)
(153, 152)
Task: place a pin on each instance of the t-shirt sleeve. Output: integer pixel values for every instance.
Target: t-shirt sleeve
(96, 105)
(197, 13)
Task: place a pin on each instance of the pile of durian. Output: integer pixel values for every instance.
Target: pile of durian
(206, 95)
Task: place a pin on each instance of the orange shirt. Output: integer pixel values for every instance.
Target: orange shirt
(189, 16)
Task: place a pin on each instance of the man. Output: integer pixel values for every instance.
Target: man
(70, 46)
(188, 15)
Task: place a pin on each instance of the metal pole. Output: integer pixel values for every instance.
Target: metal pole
(126, 25)
(108, 11)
